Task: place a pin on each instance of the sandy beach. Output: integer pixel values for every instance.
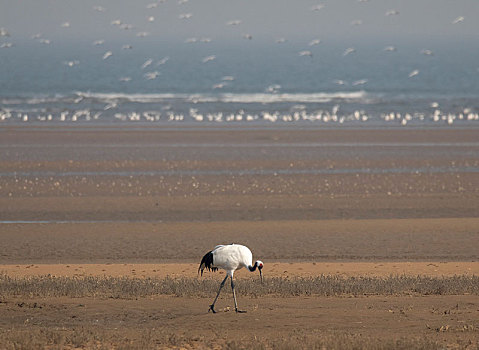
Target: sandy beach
(110, 201)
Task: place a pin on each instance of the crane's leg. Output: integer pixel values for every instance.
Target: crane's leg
(212, 306)
(234, 296)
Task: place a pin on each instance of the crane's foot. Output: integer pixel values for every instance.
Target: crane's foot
(240, 311)
(212, 308)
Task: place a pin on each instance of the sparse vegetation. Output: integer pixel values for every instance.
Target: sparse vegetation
(127, 287)
(94, 338)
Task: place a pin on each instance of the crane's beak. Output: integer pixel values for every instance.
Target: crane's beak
(261, 275)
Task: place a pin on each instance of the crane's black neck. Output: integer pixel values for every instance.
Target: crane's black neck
(253, 268)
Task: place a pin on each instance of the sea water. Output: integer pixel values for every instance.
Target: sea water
(251, 83)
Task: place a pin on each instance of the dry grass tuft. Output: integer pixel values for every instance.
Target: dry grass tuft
(130, 288)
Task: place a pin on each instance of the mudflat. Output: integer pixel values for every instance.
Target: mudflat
(148, 202)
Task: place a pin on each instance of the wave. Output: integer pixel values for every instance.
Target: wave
(263, 98)
(245, 98)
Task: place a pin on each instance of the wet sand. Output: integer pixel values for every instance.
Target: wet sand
(149, 202)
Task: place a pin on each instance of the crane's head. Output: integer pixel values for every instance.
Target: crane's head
(260, 265)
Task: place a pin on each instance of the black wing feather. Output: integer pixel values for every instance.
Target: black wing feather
(207, 262)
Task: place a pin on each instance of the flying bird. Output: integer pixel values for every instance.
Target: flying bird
(208, 58)
(458, 20)
(71, 63)
(151, 75)
(340, 82)
(390, 49)
(4, 32)
(348, 51)
(230, 258)
(163, 61)
(147, 63)
(305, 53)
(392, 13)
(317, 7)
(413, 73)
(107, 54)
(185, 16)
(234, 22)
(359, 82)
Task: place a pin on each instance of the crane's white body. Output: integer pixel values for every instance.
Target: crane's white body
(230, 258)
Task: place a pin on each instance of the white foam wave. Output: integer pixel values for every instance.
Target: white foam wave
(263, 98)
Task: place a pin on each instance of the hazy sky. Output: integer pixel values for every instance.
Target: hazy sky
(269, 20)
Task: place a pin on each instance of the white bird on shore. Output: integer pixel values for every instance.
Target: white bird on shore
(230, 258)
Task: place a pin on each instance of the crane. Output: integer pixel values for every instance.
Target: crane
(230, 258)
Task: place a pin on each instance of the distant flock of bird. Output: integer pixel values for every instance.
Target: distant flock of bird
(154, 74)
